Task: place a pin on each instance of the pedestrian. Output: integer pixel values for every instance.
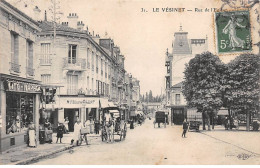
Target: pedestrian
(32, 135)
(97, 125)
(60, 131)
(66, 124)
(76, 135)
(185, 127)
(226, 123)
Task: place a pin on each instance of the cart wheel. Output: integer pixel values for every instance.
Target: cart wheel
(121, 135)
(102, 135)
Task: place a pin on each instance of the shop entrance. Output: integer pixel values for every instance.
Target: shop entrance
(177, 116)
(72, 114)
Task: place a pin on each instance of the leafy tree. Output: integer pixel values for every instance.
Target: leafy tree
(241, 85)
(202, 84)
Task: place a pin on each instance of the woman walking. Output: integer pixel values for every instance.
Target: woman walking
(76, 135)
(32, 135)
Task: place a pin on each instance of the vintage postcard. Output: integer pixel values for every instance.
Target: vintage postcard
(129, 82)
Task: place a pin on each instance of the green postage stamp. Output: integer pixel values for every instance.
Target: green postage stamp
(233, 31)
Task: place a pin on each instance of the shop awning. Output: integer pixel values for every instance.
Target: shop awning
(223, 112)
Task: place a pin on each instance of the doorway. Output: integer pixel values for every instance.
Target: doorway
(177, 116)
(72, 114)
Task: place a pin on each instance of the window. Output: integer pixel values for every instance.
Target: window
(92, 61)
(177, 99)
(88, 62)
(72, 54)
(19, 112)
(45, 53)
(45, 78)
(88, 86)
(29, 68)
(92, 85)
(97, 63)
(15, 67)
(72, 84)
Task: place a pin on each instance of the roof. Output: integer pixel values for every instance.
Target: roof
(48, 26)
(178, 85)
(20, 12)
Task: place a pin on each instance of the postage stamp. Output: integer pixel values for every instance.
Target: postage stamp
(233, 32)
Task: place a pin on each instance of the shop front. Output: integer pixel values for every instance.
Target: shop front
(84, 108)
(20, 100)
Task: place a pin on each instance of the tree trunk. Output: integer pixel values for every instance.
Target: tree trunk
(229, 117)
(213, 120)
(247, 121)
(203, 121)
(208, 121)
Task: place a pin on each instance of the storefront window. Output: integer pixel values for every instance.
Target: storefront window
(19, 112)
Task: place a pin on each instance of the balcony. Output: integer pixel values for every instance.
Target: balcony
(72, 91)
(45, 61)
(15, 67)
(78, 64)
(29, 71)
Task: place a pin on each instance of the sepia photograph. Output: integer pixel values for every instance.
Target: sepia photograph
(129, 82)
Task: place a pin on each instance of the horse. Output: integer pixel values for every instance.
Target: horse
(110, 131)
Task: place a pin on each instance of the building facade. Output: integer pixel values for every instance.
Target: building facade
(85, 71)
(19, 82)
(183, 50)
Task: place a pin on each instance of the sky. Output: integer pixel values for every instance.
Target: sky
(143, 37)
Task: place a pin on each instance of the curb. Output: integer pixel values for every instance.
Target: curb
(33, 159)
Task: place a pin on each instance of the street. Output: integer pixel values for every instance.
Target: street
(156, 146)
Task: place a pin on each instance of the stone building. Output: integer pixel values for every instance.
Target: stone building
(84, 71)
(183, 50)
(19, 82)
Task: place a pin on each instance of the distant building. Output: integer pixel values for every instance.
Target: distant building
(183, 50)
(19, 82)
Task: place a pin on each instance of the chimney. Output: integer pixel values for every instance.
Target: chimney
(80, 25)
(45, 16)
(37, 12)
(73, 20)
(64, 24)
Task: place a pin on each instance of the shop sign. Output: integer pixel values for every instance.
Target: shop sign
(17, 86)
(81, 101)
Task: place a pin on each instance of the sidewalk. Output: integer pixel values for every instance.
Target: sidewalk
(247, 140)
(24, 155)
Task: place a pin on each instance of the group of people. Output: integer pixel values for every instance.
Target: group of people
(89, 128)
(231, 123)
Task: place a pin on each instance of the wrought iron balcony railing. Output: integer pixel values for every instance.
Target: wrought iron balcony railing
(72, 91)
(74, 64)
(45, 61)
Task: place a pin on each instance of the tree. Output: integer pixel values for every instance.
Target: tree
(202, 85)
(241, 85)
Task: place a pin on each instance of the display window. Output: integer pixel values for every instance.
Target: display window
(19, 112)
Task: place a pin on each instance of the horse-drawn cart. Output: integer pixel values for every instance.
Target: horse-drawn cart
(160, 117)
(112, 123)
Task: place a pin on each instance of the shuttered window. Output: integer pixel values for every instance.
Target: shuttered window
(15, 52)
(45, 53)
(177, 99)
(72, 84)
(30, 70)
(45, 78)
